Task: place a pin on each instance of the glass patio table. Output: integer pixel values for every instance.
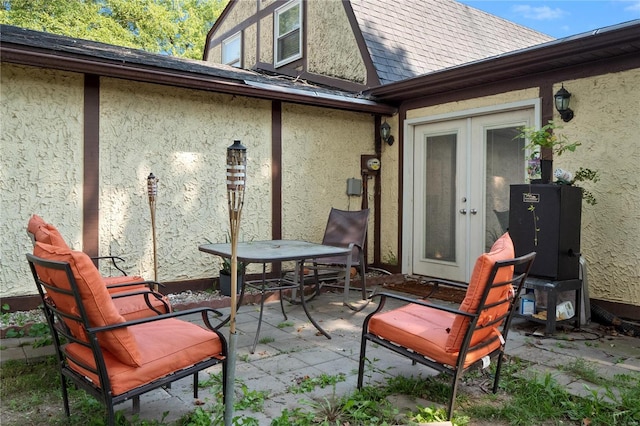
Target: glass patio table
(272, 251)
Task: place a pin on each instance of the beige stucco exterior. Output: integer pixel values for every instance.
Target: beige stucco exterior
(321, 149)
(331, 46)
(40, 163)
(181, 136)
(606, 122)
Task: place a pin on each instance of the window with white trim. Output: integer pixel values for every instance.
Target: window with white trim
(288, 33)
(232, 50)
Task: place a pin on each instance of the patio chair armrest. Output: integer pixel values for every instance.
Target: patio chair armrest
(437, 282)
(203, 311)
(148, 283)
(114, 260)
(420, 302)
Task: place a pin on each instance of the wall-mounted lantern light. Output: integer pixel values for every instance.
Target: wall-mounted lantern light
(385, 133)
(562, 98)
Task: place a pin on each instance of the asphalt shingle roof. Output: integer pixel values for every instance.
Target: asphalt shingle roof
(407, 38)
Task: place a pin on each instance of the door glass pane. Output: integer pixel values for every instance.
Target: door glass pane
(440, 200)
(505, 166)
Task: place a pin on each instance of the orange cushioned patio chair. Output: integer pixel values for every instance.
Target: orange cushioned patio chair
(453, 340)
(112, 359)
(133, 296)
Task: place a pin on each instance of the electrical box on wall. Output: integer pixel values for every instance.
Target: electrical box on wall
(370, 164)
(354, 186)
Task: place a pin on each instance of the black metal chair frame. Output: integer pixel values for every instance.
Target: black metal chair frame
(456, 371)
(61, 335)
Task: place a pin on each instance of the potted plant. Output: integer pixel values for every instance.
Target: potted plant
(543, 142)
(225, 276)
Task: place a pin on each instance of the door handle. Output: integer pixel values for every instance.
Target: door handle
(463, 211)
(473, 211)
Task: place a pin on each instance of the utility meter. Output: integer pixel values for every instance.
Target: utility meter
(373, 164)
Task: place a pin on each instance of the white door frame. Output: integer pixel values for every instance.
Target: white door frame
(408, 166)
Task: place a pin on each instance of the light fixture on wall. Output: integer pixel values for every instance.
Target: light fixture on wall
(385, 133)
(562, 98)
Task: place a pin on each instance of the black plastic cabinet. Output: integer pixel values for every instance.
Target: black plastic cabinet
(546, 218)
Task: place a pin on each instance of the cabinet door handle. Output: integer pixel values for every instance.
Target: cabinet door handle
(463, 211)
(474, 211)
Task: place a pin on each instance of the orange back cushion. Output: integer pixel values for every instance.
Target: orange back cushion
(95, 298)
(35, 222)
(502, 249)
(45, 232)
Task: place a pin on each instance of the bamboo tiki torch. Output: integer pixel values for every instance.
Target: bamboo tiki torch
(236, 179)
(152, 191)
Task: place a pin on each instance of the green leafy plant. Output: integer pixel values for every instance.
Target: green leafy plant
(546, 138)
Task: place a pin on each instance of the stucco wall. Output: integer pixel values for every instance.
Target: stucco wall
(498, 99)
(240, 11)
(266, 39)
(40, 164)
(389, 195)
(331, 46)
(606, 122)
(321, 149)
(181, 136)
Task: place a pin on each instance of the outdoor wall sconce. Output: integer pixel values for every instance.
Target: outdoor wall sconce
(562, 98)
(385, 133)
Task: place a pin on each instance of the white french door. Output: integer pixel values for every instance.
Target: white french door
(462, 169)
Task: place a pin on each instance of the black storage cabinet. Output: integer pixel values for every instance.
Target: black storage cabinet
(558, 209)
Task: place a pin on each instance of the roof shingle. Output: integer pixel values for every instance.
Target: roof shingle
(408, 38)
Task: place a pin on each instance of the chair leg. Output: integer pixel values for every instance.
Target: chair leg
(195, 385)
(454, 391)
(363, 346)
(111, 415)
(496, 379)
(363, 276)
(65, 394)
(136, 404)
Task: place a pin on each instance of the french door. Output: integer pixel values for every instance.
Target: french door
(462, 169)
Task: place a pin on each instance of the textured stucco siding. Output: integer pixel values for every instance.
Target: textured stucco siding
(240, 11)
(181, 136)
(607, 124)
(389, 196)
(321, 149)
(249, 46)
(331, 46)
(40, 164)
(487, 101)
(266, 39)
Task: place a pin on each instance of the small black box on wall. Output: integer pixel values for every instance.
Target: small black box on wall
(546, 218)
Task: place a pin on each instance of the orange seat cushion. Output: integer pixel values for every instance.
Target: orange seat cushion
(502, 249)
(159, 355)
(96, 300)
(424, 330)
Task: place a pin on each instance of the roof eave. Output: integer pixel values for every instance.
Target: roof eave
(543, 57)
(45, 58)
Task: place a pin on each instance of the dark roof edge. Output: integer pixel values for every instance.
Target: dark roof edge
(541, 57)
(175, 72)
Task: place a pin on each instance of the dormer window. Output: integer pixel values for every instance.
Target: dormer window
(288, 33)
(232, 50)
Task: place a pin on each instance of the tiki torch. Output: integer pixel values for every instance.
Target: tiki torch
(152, 191)
(236, 180)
